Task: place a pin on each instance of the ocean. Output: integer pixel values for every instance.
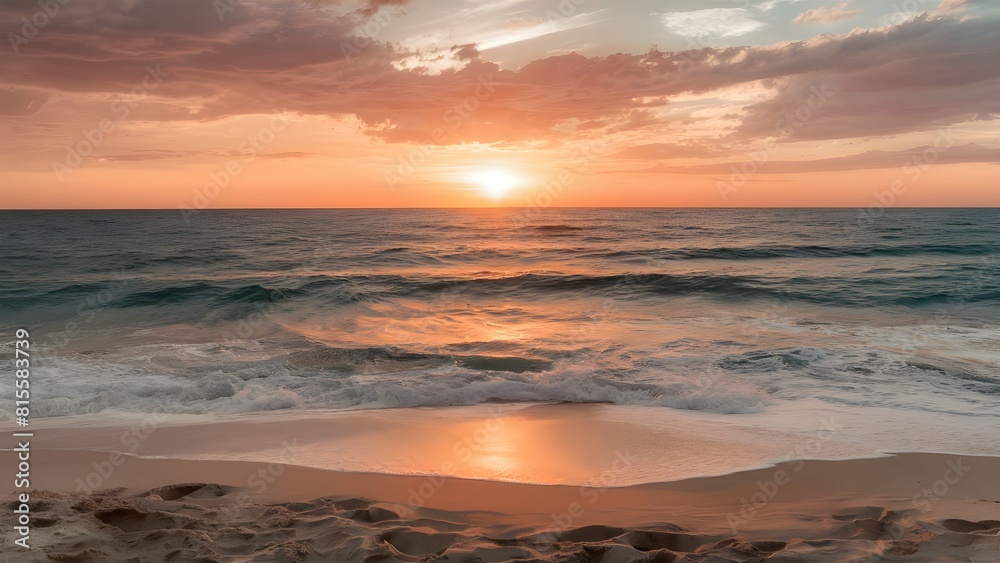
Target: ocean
(772, 317)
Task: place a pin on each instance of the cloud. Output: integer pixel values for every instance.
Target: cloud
(373, 6)
(925, 74)
(288, 154)
(862, 161)
(164, 154)
(948, 5)
(514, 34)
(664, 151)
(827, 15)
(768, 5)
(289, 56)
(22, 101)
(148, 154)
(713, 22)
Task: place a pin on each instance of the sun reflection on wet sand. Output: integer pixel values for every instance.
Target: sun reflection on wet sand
(577, 444)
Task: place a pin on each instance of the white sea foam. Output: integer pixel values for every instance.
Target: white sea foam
(71, 386)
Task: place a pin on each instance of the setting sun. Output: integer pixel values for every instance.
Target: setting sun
(496, 183)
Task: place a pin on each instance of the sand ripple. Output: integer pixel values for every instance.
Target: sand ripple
(202, 522)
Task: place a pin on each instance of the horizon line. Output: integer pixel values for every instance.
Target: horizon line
(519, 207)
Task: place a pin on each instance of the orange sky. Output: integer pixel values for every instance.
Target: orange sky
(396, 103)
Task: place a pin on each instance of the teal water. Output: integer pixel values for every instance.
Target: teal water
(720, 311)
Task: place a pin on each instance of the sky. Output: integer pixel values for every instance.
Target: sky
(203, 104)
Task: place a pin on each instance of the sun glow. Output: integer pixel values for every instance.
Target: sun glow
(495, 182)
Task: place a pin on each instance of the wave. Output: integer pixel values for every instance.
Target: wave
(800, 251)
(168, 295)
(73, 290)
(72, 386)
(214, 378)
(256, 294)
(227, 373)
(555, 228)
(845, 291)
(901, 289)
(873, 378)
(351, 358)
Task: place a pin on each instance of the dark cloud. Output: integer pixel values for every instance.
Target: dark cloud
(269, 56)
(374, 6)
(924, 74)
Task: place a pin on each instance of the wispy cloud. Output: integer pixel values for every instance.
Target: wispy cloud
(768, 5)
(827, 15)
(947, 5)
(509, 36)
(713, 22)
(863, 161)
(666, 151)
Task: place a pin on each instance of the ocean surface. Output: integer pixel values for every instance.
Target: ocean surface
(769, 317)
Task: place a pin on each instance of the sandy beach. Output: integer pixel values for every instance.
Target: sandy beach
(95, 500)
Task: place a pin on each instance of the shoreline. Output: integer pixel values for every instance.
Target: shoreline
(820, 511)
(556, 444)
(279, 487)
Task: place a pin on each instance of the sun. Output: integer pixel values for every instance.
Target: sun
(495, 182)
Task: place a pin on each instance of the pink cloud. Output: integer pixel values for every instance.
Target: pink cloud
(264, 57)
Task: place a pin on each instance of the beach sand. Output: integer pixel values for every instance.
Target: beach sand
(91, 503)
